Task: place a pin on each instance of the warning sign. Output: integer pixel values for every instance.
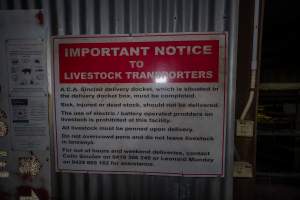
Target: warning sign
(141, 104)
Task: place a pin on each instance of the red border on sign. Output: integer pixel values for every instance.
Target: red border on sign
(143, 172)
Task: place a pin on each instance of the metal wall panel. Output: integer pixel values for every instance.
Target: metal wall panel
(27, 46)
(72, 17)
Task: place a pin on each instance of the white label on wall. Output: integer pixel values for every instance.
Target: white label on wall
(26, 67)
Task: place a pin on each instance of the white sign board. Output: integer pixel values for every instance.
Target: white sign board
(28, 90)
(141, 104)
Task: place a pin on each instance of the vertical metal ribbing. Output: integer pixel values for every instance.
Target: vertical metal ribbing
(68, 16)
(186, 11)
(93, 191)
(119, 18)
(52, 16)
(171, 16)
(163, 20)
(75, 17)
(107, 187)
(24, 5)
(17, 4)
(203, 12)
(152, 13)
(63, 178)
(126, 16)
(96, 11)
(163, 16)
(166, 14)
(214, 188)
(157, 14)
(186, 188)
(83, 17)
(143, 12)
(174, 14)
(3, 5)
(199, 189)
(104, 16)
(179, 12)
(195, 9)
(60, 7)
(141, 17)
(112, 16)
(219, 14)
(188, 16)
(122, 184)
(10, 4)
(31, 4)
(46, 5)
(173, 184)
(133, 16)
(100, 182)
(38, 4)
(231, 25)
(66, 191)
(211, 15)
(138, 17)
(147, 15)
(144, 24)
(91, 180)
(169, 187)
(154, 185)
(215, 24)
(137, 180)
(78, 183)
(104, 181)
(121, 181)
(86, 186)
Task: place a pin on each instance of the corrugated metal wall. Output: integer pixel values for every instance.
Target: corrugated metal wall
(73, 17)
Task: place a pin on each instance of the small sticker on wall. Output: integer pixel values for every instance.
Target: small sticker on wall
(3, 115)
(3, 164)
(4, 174)
(3, 153)
(29, 166)
(3, 128)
